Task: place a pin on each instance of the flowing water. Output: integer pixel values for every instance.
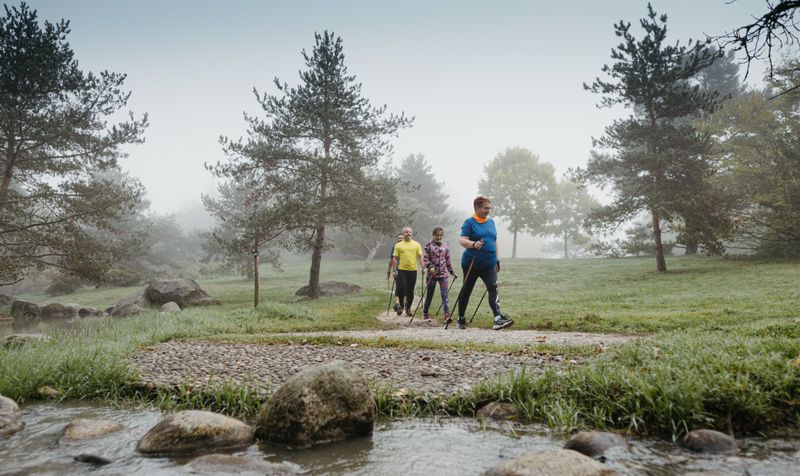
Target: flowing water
(406, 447)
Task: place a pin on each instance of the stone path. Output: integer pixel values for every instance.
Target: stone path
(431, 371)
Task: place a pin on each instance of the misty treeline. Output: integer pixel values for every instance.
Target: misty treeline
(707, 162)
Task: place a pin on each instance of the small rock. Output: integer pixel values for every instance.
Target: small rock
(595, 443)
(82, 311)
(239, 465)
(169, 308)
(83, 428)
(18, 340)
(328, 402)
(183, 292)
(134, 304)
(25, 310)
(192, 431)
(57, 311)
(10, 417)
(91, 459)
(331, 288)
(6, 300)
(551, 463)
(48, 392)
(709, 441)
(499, 411)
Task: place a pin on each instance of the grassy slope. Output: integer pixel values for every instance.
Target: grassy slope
(723, 353)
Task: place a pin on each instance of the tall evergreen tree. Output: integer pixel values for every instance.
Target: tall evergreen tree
(656, 161)
(522, 191)
(316, 153)
(55, 146)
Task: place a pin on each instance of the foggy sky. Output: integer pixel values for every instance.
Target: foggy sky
(478, 76)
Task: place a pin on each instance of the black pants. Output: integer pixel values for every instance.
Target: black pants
(406, 280)
(489, 278)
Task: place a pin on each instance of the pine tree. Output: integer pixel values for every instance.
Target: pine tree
(316, 153)
(56, 149)
(656, 160)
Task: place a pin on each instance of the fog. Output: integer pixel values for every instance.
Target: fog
(478, 76)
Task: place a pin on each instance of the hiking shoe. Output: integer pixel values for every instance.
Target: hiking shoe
(426, 316)
(502, 323)
(397, 307)
(399, 310)
(462, 323)
(408, 313)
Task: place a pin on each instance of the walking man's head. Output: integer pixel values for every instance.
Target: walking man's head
(438, 234)
(407, 232)
(399, 237)
(483, 205)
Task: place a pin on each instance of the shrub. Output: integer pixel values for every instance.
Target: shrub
(122, 277)
(62, 284)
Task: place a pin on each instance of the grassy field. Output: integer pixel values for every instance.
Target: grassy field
(720, 346)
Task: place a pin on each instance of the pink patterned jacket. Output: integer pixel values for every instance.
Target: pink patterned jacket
(438, 256)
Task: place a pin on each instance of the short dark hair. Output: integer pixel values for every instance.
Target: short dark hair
(437, 230)
(480, 200)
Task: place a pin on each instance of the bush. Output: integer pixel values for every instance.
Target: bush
(122, 277)
(61, 285)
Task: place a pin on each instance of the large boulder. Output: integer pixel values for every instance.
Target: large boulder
(328, 402)
(595, 443)
(25, 310)
(85, 428)
(131, 305)
(57, 311)
(193, 431)
(551, 463)
(183, 292)
(18, 340)
(330, 288)
(10, 417)
(709, 441)
(239, 465)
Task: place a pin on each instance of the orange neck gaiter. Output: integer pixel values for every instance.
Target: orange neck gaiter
(479, 219)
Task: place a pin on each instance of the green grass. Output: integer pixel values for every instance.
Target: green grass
(722, 347)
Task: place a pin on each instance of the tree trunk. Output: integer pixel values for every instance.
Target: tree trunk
(319, 241)
(661, 263)
(372, 252)
(566, 256)
(256, 245)
(691, 248)
(514, 246)
(8, 170)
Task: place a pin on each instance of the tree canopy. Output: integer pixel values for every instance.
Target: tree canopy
(655, 159)
(317, 152)
(521, 189)
(56, 144)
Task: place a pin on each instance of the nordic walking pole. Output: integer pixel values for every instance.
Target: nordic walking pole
(479, 305)
(466, 277)
(391, 294)
(448, 293)
(422, 298)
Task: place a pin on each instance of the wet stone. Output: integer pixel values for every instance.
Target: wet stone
(709, 441)
(18, 340)
(595, 443)
(91, 459)
(83, 428)
(193, 431)
(550, 463)
(499, 411)
(10, 417)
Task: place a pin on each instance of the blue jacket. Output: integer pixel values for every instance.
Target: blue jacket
(486, 257)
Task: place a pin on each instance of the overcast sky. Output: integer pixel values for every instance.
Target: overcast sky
(478, 76)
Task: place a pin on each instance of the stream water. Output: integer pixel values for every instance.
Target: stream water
(406, 447)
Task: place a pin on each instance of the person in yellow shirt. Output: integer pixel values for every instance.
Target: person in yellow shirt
(407, 254)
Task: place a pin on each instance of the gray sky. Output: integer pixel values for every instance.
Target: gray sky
(478, 76)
